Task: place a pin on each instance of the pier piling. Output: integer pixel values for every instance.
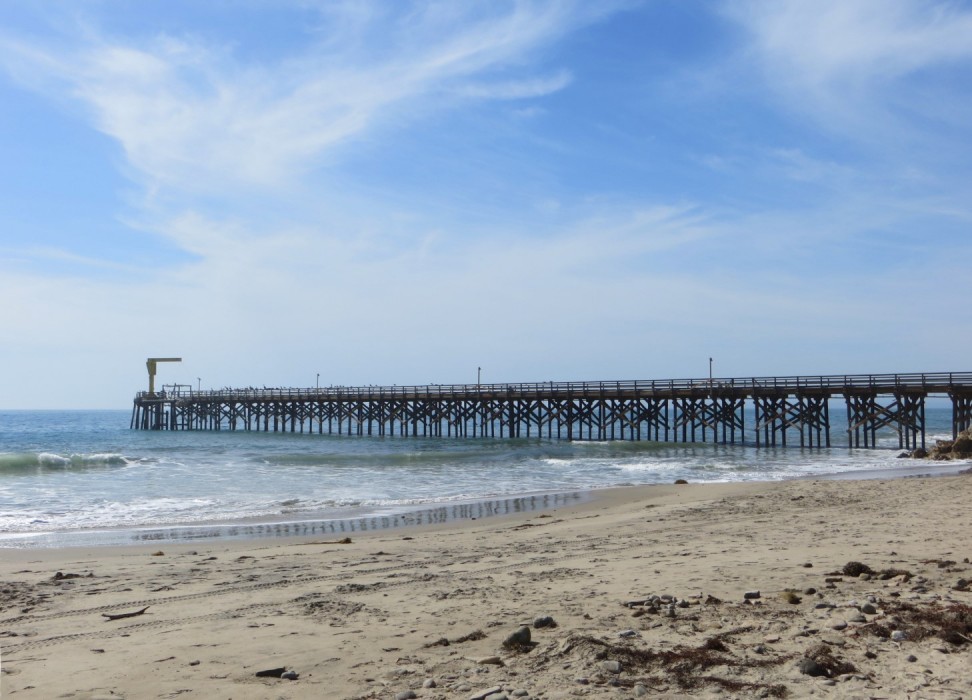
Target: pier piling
(787, 410)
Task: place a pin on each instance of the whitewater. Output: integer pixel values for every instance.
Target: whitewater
(64, 474)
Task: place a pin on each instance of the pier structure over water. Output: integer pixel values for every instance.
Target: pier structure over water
(786, 410)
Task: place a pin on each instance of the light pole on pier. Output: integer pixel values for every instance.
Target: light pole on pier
(710, 372)
(479, 375)
(198, 384)
(318, 380)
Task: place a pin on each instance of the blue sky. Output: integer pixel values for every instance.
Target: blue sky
(401, 192)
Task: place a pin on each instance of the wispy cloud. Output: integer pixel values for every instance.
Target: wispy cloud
(869, 127)
(67, 258)
(190, 116)
(846, 62)
(536, 87)
(831, 42)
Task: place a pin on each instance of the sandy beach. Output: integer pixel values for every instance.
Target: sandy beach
(842, 588)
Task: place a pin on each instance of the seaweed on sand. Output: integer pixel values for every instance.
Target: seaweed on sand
(829, 661)
(688, 666)
(951, 623)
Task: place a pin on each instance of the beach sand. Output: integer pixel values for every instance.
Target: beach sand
(425, 612)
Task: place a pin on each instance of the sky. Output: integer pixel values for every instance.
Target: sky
(293, 192)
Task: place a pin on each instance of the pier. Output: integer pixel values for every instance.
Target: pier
(786, 410)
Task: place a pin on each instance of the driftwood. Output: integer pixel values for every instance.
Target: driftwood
(346, 540)
(122, 616)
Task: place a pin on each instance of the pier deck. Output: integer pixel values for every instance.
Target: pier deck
(786, 410)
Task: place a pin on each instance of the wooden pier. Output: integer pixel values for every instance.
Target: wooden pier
(787, 410)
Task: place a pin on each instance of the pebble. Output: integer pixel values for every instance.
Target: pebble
(751, 595)
(611, 666)
(857, 618)
(483, 694)
(520, 638)
(291, 675)
(429, 683)
(640, 691)
(490, 661)
(869, 609)
(839, 625)
(911, 658)
(271, 673)
(520, 693)
(627, 634)
(810, 667)
(898, 636)
(582, 680)
(406, 695)
(498, 696)
(544, 621)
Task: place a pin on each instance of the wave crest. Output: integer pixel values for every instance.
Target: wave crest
(24, 461)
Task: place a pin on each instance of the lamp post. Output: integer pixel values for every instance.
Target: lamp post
(710, 372)
(318, 380)
(198, 384)
(479, 374)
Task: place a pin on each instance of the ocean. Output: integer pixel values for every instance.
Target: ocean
(83, 477)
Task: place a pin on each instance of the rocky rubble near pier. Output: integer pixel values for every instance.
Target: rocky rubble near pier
(959, 448)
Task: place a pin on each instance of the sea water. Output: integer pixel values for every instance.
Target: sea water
(65, 473)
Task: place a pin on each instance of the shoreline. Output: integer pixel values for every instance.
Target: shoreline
(386, 518)
(425, 610)
(362, 519)
(306, 525)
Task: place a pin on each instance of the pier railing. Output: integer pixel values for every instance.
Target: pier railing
(925, 382)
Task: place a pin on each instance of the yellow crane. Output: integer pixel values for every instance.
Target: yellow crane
(150, 364)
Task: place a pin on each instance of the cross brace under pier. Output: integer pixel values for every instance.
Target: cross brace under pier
(713, 412)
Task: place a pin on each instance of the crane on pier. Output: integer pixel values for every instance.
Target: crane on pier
(151, 363)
